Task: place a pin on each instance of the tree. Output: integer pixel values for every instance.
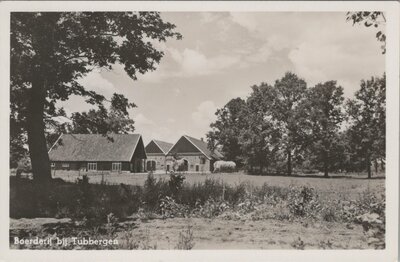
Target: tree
(375, 19)
(367, 113)
(323, 114)
(289, 93)
(103, 121)
(50, 51)
(226, 130)
(260, 137)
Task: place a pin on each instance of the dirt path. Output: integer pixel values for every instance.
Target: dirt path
(267, 234)
(226, 234)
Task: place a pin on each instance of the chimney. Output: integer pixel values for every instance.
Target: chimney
(202, 139)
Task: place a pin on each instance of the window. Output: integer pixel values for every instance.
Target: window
(65, 165)
(53, 165)
(116, 166)
(92, 166)
(202, 160)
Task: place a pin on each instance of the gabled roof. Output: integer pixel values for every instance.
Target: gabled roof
(95, 147)
(202, 147)
(164, 146)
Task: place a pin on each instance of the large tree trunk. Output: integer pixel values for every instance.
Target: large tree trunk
(326, 163)
(289, 162)
(36, 137)
(368, 160)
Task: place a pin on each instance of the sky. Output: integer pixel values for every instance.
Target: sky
(223, 54)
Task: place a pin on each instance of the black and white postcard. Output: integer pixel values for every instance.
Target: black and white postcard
(166, 131)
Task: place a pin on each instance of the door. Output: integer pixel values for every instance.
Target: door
(151, 165)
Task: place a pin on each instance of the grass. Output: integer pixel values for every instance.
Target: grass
(351, 184)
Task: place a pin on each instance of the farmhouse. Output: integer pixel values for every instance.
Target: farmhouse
(94, 152)
(195, 155)
(156, 152)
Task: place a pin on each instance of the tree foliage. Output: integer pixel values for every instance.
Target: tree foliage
(290, 91)
(261, 137)
(226, 130)
(367, 113)
(288, 125)
(368, 19)
(323, 109)
(103, 121)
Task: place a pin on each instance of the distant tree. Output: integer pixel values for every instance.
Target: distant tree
(323, 112)
(375, 19)
(50, 51)
(260, 136)
(367, 115)
(104, 121)
(226, 130)
(289, 92)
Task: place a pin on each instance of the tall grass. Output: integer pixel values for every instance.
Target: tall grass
(174, 197)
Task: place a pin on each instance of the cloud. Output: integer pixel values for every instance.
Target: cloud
(204, 116)
(141, 120)
(190, 63)
(96, 82)
(208, 17)
(247, 20)
(320, 62)
(194, 63)
(171, 120)
(317, 46)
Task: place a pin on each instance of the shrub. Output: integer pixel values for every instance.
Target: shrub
(298, 244)
(153, 191)
(200, 192)
(303, 202)
(175, 183)
(169, 208)
(373, 220)
(185, 239)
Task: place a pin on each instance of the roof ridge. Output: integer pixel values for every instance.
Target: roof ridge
(155, 142)
(189, 139)
(161, 141)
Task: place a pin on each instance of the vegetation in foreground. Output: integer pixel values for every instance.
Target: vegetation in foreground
(101, 210)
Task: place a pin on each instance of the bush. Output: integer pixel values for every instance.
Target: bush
(185, 239)
(303, 202)
(79, 201)
(169, 208)
(175, 183)
(153, 191)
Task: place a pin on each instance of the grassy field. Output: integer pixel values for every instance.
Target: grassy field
(350, 185)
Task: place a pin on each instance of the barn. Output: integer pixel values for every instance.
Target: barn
(156, 152)
(95, 152)
(195, 154)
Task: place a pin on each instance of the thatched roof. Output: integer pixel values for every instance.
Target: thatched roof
(94, 147)
(158, 147)
(203, 148)
(164, 146)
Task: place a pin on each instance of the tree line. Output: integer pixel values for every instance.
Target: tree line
(289, 127)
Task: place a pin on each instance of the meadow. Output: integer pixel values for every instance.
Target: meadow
(343, 183)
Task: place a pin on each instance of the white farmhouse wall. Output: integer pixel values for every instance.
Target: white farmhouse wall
(193, 160)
